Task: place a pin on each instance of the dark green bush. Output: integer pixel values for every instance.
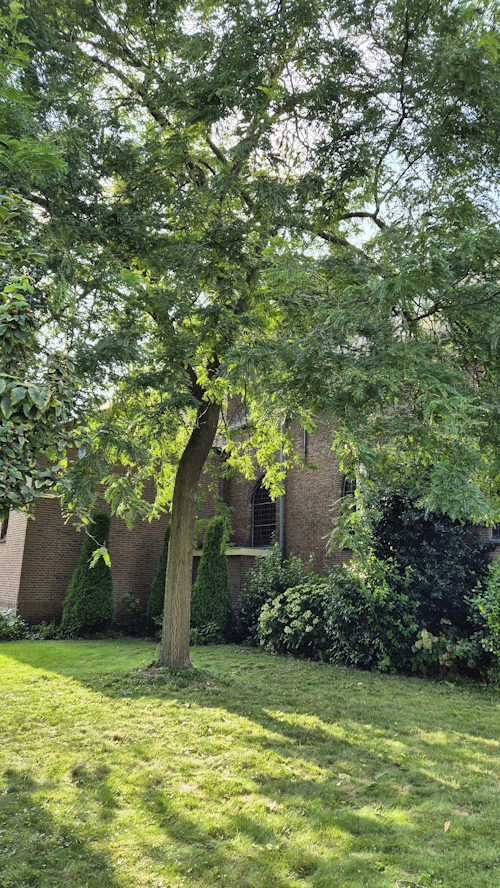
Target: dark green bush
(89, 604)
(294, 621)
(369, 617)
(211, 593)
(446, 560)
(270, 577)
(355, 617)
(154, 609)
(132, 617)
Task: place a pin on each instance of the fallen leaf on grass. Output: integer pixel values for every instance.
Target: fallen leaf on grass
(447, 825)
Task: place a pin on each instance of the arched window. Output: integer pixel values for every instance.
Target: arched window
(348, 487)
(263, 517)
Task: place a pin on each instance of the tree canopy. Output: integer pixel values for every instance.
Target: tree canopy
(291, 202)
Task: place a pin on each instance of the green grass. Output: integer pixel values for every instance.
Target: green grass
(253, 771)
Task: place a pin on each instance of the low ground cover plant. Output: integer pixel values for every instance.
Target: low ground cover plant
(250, 771)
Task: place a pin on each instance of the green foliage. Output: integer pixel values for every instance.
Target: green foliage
(34, 407)
(132, 615)
(89, 604)
(433, 654)
(479, 652)
(211, 593)
(248, 208)
(270, 577)
(446, 560)
(209, 634)
(293, 622)
(369, 619)
(156, 599)
(12, 627)
(355, 617)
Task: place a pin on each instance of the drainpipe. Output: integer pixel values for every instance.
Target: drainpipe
(282, 500)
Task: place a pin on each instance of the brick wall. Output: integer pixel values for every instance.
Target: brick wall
(310, 492)
(11, 560)
(51, 554)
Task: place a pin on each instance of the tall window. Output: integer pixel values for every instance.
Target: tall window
(263, 517)
(348, 487)
(495, 533)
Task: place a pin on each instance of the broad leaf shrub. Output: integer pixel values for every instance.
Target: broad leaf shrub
(12, 627)
(154, 610)
(269, 578)
(132, 617)
(433, 654)
(89, 603)
(210, 634)
(446, 559)
(294, 621)
(354, 617)
(369, 618)
(479, 652)
(211, 594)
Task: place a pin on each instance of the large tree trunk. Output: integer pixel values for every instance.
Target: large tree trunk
(174, 651)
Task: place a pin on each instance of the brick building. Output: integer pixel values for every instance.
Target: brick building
(37, 558)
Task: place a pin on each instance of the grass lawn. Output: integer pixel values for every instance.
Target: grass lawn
(253, 771)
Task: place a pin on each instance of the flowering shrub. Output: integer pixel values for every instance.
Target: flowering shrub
(432, 653)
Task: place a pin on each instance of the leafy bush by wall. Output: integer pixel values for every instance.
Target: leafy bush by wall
(270, 577)
(156, 600)
(479, 653)
(211, 593)
(89, 603)
(356, 617)
(369, 618)
(12, 627)
(446, 560)
(294, 621)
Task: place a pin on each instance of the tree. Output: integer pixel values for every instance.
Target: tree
(291, 202)
(89, 604)
(37, 387)
(211, 593)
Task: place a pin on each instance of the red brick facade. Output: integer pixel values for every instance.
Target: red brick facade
(37, 558)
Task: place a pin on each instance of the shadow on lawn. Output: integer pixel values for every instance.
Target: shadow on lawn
(346, 810)
(38, 849)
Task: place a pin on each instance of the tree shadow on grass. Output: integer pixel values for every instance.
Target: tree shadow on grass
(302, 734)
(40, 850)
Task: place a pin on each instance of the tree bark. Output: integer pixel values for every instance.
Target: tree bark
(174, 650)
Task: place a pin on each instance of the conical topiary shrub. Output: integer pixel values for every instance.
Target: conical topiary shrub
(89, 605)
(154, 609)
(211, 594)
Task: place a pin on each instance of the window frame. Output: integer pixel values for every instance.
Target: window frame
(259, 530)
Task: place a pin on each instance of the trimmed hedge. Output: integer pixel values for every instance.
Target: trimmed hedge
(89, 604)
(211, 593)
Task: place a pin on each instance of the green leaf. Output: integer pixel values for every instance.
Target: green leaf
(17, 395)
(5, 406)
